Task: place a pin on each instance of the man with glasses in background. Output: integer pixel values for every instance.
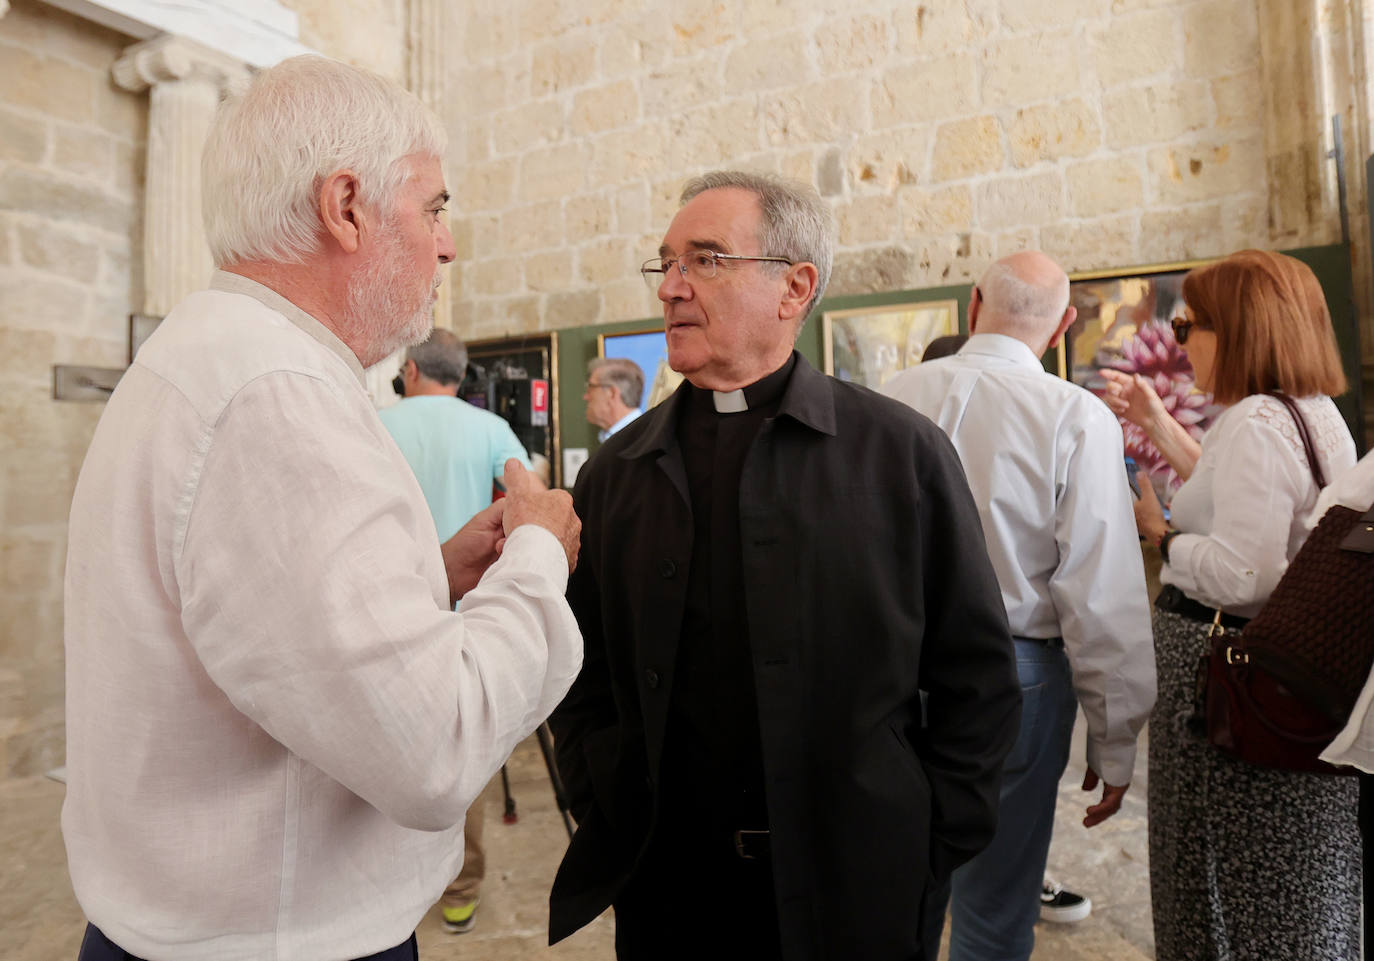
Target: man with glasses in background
(615, 386)
(799, 684)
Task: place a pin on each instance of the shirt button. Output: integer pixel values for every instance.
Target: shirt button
(667, 568)
(651, 677)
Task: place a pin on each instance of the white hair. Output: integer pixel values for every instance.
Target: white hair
(273, 143)
(1014, 298)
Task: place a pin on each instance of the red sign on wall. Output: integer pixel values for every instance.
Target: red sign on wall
(539, 403)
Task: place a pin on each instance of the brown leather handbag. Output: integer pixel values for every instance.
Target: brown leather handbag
(1276, 693)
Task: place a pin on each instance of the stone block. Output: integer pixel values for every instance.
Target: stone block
(546, 272)
(38, 192)
(965, 148)
(562, 65)
(628, 300)
(116, 270)
(1198, 172)
(1091, 244)
(475, 141)
(23, 138)
(1020, 201)
(702, 26)
(853, 43)
(931, 29)
(121, 113)
(1052, 132)
(1133, 48)
(26, 356)
(607, 107)
(872, 270)
(43, 28)
(7, 246)
(682, 85)
(632, 45)
(528, 126)
(937, 89)
(867, 220)
(830, 173)
(884, 161)
(130, 169)
(57, 251)
(494, 277)
(38, 491)
(486, 234)
(1021, 17)
(487, 87)
(767, 63)
(1010, 242)
(800, 165)
(11, 688)
(950, 258)
(606, 260)
(46, 86)
(533, 227)
(30, 565)
(1098, 187)
(39, 300)
(1181, 233)
(943, 210)
(585, 217)
(704, 137)
(553, 173)
(485, 186)
(1155, 114)
(35, 749)
(632, 209)
(628, 156)
(518, 314)
(491, 32)
(1023, 69)
(573, 308)
(1239, 100)
(1245, 224)
(818, 113)
(664, 203)
(1220, 37)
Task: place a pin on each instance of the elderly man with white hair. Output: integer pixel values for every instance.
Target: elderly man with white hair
(1045, 464)
(275, 718)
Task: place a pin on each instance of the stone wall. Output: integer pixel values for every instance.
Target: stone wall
(71, 161)
(1107, 132)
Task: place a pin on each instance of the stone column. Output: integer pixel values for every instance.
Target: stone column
(4, 8)
(185, 81)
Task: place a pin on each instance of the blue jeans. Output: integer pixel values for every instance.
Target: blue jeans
(996, 896)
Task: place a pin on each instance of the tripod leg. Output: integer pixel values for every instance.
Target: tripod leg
(560, 793)
(508, 816)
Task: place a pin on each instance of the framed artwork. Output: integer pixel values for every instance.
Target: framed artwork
(649, 349)
(1124, 324)
(868, 345)
(515, 377)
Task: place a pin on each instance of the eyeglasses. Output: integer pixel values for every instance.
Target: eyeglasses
(591, 386)
(1183, 327)
(695, 265)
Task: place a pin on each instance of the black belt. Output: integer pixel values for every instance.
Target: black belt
(753, 845)
(1174, 601)
(1046, 641)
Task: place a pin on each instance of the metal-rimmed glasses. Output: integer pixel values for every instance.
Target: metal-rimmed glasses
(1183, 326)
(694, 264)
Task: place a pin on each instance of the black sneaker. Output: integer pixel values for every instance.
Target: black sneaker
(1057, 904)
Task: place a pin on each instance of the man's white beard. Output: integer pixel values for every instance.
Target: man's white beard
(385, 315)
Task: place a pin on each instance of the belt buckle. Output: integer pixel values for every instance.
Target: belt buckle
(745, 840)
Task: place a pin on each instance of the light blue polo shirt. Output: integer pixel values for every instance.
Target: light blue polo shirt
(456, 450)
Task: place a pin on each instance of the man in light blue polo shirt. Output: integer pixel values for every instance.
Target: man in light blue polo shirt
(456, 450)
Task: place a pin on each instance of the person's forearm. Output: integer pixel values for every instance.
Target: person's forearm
(1174, 443)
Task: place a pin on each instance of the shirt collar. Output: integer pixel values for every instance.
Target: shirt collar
(603, 434)
(1003, 347)
(231, 283)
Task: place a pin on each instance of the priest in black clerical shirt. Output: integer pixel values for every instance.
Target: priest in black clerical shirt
(799, 686)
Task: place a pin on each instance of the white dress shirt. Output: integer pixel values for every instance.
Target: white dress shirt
(1355, 744)
(274, 722)
(1045, 463)
(1243, 511)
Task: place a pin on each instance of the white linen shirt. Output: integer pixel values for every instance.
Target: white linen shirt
(1355, 744)
(1045, 464)
(275, 723)
(1243, 510)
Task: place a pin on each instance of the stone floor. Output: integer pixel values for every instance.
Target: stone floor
(40, 921)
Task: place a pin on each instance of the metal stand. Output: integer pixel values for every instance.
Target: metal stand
(560, 794)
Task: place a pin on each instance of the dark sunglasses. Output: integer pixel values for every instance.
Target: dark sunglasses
(1183, 327)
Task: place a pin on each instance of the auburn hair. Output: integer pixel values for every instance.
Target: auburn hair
(1272, 326)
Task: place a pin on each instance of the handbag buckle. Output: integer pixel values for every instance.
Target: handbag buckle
(1216, 630)
(1237, 655)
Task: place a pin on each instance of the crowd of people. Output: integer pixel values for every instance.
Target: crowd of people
(811, 653)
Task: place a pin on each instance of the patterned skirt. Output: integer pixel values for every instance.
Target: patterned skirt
(1246, 863)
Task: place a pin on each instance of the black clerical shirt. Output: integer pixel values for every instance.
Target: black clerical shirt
(713, 759)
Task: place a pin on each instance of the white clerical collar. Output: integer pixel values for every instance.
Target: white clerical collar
(729, 401)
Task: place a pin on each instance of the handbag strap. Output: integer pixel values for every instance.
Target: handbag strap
(1292, 406)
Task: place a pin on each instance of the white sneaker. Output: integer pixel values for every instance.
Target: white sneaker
(1064, 907)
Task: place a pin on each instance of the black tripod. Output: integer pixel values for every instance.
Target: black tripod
(560, 794)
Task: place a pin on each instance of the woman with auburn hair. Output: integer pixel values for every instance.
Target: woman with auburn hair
(1245, 862)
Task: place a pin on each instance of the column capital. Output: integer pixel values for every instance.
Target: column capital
(170, 57)
(4, 8)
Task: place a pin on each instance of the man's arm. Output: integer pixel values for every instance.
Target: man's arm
(968, 664)
(310, 600)
(1099, 593)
